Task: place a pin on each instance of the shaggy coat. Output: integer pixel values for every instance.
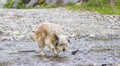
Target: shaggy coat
(47, 34)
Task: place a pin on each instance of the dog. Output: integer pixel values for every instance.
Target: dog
(49, 34)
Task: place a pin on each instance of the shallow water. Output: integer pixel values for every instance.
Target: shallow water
(92, 52)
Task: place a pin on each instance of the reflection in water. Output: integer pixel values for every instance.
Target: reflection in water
(53, 58)
(57, 58)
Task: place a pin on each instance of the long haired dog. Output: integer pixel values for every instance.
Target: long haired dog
(47, 34)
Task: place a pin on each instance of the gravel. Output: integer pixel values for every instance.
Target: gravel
(94, 35)
(16, 25)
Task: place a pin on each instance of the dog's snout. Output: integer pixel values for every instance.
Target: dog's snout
(64, 49)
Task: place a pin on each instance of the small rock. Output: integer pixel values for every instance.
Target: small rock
(104, 65)
(3, 38)
(16, 32)
(2, 2)
(74, 52)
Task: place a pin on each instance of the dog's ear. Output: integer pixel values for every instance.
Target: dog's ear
(55, 39)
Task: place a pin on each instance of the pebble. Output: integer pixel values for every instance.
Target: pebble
(20, 23)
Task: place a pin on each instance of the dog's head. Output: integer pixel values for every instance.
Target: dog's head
(62, 43)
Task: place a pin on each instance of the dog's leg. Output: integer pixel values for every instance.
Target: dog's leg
(41, 46)
(53, 49)
(41, 51)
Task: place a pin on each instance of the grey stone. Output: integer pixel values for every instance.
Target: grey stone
(56, 2)
(15, 3)
(2, 2)
(52, 2)
(26, 1)
(29, 3)
(32, 3)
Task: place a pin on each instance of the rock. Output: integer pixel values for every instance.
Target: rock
(52, 2)
(104, 36)
(104, 65)
(29, 3)
(74, 52)
(15, 3)
(2, 2)
(6, 38)
(70, 1)
(41, 1)
(26, 1)
(56, 2)
(32, 3)
(111, 64)
(16, 33)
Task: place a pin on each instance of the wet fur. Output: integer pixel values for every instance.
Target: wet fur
(47, 35)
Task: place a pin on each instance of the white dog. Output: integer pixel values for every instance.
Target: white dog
(48, 34)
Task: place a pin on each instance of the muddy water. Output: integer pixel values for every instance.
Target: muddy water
(90, 52)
